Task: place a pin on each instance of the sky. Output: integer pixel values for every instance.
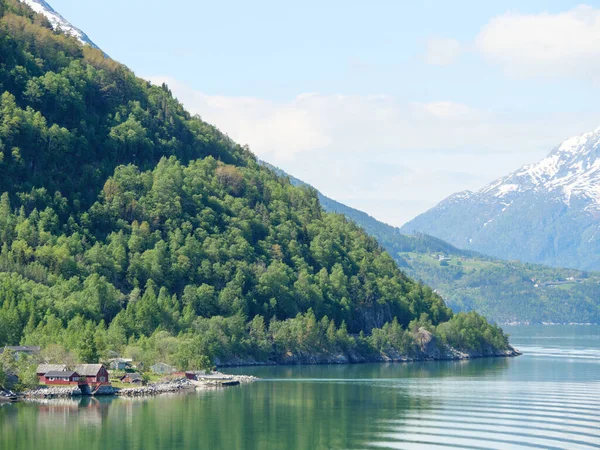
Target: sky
(386, 106)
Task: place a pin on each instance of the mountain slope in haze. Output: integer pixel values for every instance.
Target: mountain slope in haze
(503, 291)
(58, 22)
(547, 213)
(129, 226)
(390, 237)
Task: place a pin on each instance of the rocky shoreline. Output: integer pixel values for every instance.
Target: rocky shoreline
(293, 359)
(52, 392)
(430, 350)
(155, 388)
(163, 387)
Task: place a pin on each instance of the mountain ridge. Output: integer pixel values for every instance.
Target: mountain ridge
(545, 213)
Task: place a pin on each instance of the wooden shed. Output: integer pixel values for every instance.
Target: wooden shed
(133, 378)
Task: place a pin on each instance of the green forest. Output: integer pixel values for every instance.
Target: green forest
(509, 291)
(129, 226)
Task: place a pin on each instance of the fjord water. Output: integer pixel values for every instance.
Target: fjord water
(547, 398)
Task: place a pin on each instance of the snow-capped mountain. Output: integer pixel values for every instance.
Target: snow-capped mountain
(548, 212)
(58, 21)
(571, 170)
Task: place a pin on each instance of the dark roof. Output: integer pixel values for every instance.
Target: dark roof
(88, 370)
(132, 376)
(45, 368)
(61, 374)
(21, 348)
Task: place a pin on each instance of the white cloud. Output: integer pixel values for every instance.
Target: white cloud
(280, 130)
(390, 158)
(441, 51)
(544, 45)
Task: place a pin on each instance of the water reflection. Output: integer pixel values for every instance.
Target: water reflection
(431, 369)
(304, 414)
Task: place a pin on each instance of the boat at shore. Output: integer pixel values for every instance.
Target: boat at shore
(213, 383)
(214, 379)
(8, 398)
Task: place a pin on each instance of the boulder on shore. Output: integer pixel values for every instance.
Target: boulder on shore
(53, 392)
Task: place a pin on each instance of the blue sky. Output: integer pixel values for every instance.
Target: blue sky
(387, 106)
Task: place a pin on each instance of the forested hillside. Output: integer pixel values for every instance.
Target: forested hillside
(509, 291)
(503, 291)
(129, 226)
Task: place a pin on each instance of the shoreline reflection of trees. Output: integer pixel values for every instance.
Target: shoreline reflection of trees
(426, 369)
(320, 407)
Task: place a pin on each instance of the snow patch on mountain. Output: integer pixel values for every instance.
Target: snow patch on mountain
(58, 22)
(571, 171)
(505, 189)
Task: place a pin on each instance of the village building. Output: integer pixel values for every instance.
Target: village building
(120, 363)
(61, 377)
(133, 378)
(195, 374)
(43, 369)
(21, 350)
(92, 374)
(162, 369)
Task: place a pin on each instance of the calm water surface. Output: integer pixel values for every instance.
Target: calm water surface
(548, 398)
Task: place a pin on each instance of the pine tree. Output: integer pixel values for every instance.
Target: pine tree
(88, 353)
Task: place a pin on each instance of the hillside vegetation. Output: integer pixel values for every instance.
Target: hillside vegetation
(509, 291)
(129, 226)
(503, 291)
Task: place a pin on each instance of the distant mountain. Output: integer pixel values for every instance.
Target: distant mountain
(59, 22)
(504, 291)
(546, 213)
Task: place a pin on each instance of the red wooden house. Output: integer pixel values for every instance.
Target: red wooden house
(43, 369)
(92, 374)
(61, 377)
(195, 374)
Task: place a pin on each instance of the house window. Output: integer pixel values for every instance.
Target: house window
(101, 379)
(75, 378)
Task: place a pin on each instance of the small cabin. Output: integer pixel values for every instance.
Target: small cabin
(133, 378)
(92, 373)
(194, 374)
(61, 377)
(43, 369)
